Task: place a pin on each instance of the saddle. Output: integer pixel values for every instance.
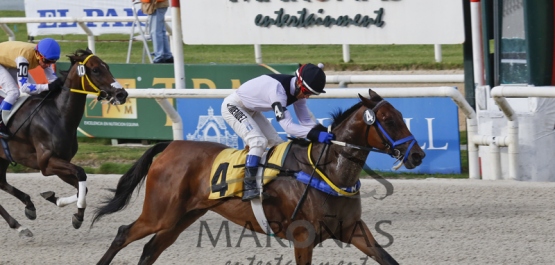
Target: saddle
(6, 115)
(228, 170)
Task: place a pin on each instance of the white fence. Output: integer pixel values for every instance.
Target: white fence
(161, 96)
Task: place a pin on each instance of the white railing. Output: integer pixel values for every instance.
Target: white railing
(344, 80)
(161, 96)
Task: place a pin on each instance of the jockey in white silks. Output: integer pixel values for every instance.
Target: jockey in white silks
(242, 110)
(16, 59)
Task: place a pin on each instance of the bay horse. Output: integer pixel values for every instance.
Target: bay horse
(44, 133)
(178, 186)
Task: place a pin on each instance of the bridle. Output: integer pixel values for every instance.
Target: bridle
(370, 119)
(82, 72)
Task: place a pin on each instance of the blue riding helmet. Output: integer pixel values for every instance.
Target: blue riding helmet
(49, 49)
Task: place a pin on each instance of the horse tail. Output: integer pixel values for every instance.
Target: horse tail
(134, 177)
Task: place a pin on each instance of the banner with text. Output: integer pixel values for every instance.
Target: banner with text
(437, 132)
(322, 22)
(80, 9)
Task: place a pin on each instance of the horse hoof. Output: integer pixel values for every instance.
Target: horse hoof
(76, 221)
(25, 233)
(49, 196)
(31, 213)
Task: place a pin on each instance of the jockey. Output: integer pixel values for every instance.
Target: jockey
(16, 59)
(273, 92)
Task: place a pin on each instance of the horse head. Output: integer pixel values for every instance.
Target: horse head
(90, 75)
(375, 125)
(387, 131)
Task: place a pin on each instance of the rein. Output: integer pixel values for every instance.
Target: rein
(326, 179)
(82, 72)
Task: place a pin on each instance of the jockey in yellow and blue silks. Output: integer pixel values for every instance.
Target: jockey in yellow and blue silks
(16, 59)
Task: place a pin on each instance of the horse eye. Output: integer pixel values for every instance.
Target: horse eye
(389, 122)
(95, 70)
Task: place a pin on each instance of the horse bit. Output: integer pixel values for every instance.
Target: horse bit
(370, 119)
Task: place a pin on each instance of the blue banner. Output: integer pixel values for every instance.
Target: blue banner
(432, 121)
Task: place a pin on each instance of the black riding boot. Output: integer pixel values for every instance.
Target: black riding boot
(250, 190)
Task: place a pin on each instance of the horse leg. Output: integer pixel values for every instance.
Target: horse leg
(30, 210)
(304, 245)
(360, 236)
(62, 201)
(23, 232)
(141, 228)
(76, 177)
(165, 238)
(303, 255)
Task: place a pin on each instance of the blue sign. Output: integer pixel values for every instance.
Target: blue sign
(432, 121)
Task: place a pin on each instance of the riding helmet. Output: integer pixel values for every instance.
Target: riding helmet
(312, 77)
(49, 48)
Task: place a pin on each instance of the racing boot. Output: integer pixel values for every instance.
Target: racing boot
(250, 189)
(4, 132)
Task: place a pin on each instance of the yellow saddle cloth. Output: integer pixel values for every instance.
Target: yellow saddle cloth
(227, 180)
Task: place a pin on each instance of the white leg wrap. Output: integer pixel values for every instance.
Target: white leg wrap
(82, 194)
(61, 202)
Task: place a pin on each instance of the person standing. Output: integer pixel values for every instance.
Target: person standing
(243, 108)
(157, 9)
(16, 59)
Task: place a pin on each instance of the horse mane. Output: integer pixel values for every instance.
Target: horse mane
(338, 116)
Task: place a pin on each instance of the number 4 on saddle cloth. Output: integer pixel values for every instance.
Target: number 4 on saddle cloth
(228, 170)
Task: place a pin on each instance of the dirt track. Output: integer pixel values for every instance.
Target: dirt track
(426, 221)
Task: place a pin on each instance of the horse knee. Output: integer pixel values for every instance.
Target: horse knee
(81, 175)
(121, 237)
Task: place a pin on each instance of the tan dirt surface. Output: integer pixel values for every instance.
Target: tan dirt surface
(431, 221)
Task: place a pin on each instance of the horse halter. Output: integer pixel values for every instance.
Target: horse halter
(370, 119)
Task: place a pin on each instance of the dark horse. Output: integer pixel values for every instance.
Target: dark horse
(44, 133)
(177, 187)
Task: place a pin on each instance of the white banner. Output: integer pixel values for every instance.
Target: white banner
(79, 9)
(322, 21)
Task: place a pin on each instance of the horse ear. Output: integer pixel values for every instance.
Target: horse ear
(366, 102)
(89, 50)
(372, 101)
(374, 96)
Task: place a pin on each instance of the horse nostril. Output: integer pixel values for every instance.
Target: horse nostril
(417, 159)
(121, 96)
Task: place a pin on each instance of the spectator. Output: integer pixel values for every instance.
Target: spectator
(156, 9)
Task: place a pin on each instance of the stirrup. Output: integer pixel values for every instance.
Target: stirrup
(4, 135)
(3, 129)
(254, 195)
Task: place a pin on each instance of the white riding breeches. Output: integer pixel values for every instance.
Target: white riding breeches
(255, 129)
(8, 82)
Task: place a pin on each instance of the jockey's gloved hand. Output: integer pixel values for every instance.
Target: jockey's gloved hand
(325, 137)
(56, 85)
(317, 135)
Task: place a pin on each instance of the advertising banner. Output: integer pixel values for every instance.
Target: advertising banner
(80, 9)
(437, 132)
(322, 22)
(141, 118)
